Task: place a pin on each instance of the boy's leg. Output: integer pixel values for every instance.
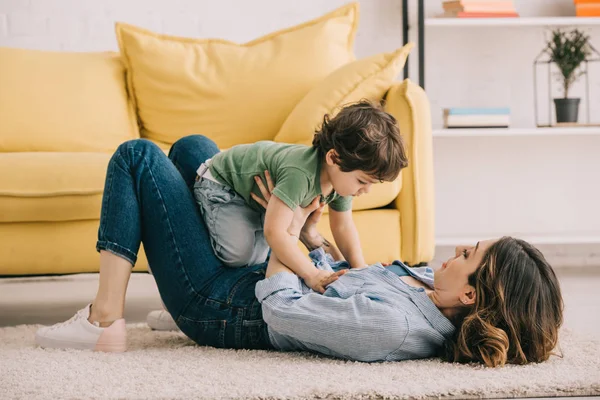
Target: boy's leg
(241, 226)
(236, 230)
(145, 199)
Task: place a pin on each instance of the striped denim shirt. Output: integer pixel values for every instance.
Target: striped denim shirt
(368, 314)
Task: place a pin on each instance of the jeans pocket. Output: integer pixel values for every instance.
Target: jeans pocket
(255, 334)
(204, 333)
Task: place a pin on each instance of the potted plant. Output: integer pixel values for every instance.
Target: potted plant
(568, 50)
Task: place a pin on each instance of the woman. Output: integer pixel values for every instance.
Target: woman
(497, 302)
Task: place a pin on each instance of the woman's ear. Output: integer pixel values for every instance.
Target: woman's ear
(468, 295)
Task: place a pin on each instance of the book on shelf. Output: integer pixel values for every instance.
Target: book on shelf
(478, 9)
(477, 111)
(587, 9)
(476, 118)
(479, 6)
(465, 14)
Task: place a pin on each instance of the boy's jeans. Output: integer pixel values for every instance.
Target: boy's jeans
(236, 230)
(148, 198)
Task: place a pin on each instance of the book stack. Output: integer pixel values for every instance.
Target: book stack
(479, 9)
(460, 118)
(587, 8)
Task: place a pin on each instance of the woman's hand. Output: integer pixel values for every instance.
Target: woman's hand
(304, 223)
(305, 219)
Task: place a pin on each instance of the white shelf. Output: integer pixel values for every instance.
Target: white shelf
(519, 21)
(535, 240)
(483, 132)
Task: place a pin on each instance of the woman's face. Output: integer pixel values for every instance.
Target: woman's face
(451, 280)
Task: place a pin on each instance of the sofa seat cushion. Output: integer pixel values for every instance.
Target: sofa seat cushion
(44, 186)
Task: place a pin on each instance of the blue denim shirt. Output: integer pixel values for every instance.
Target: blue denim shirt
(368, 314)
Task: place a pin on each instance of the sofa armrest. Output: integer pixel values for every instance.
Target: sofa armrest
(409, 104)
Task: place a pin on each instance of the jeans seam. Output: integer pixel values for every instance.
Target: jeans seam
(109, 179)
(162, 202)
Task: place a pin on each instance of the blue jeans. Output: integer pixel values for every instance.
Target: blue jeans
(148, 199)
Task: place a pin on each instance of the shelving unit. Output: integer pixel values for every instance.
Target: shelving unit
(561, 217)
(519, 21)
(512, 22)
(512, 132)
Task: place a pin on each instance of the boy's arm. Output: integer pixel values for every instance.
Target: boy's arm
(277, 221)
(304, 224)
(346, 237)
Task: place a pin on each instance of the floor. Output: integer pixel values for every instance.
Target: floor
(46, 300)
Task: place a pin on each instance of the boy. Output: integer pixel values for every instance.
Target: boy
(360, 146)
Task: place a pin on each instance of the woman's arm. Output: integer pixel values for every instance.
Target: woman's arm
(346, 236)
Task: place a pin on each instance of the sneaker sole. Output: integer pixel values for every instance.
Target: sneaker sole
(46, 342)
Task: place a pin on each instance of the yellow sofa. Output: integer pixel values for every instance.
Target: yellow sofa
(63, 114)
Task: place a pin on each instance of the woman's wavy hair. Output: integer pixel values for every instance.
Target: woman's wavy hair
(518, 309)
(365, 138)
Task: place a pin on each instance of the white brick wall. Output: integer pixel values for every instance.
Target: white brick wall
(88, 25)
(465, 67)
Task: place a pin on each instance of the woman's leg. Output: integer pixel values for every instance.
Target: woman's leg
(109, 304)
(187, 154)
(146, 199)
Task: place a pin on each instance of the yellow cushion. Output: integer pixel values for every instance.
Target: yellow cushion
(232, 93)
(51, 186)
(379, 233)
(381, 195)
(63, 102)
(368, 78)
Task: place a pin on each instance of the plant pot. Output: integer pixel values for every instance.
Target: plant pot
(567, 110)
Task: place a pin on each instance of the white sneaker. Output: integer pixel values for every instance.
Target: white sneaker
(161, 320)
(79, 333)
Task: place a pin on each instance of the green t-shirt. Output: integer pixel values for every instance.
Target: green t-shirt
(295, 170)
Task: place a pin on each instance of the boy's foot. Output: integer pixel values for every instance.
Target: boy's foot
(161, 320)
(79, 333)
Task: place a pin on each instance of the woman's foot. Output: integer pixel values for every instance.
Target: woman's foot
(161, 320)
(79, 333)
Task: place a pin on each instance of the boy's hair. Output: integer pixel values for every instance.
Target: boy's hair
(365, 138)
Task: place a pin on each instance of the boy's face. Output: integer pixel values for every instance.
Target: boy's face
(353, 183)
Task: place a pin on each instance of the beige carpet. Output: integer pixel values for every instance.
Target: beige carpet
(168, 365)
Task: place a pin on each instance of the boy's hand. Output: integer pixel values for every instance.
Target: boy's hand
(319, 281)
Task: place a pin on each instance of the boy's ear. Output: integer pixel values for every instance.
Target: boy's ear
(330, 157)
